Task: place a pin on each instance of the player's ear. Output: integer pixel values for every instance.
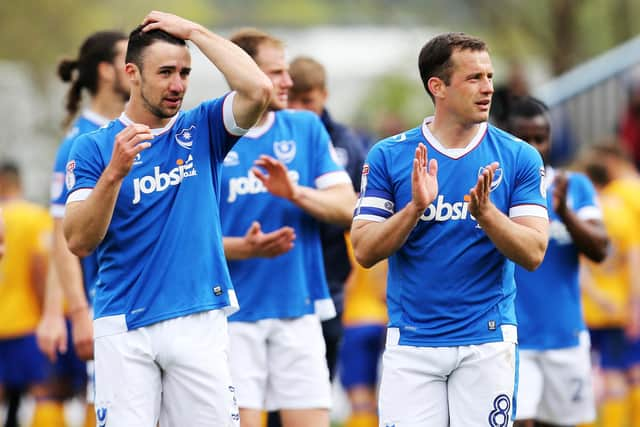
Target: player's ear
(132, 71)
(436, 86)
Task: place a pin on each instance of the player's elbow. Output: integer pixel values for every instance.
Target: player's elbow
(534, 257)
(77, 247)
(261, 92)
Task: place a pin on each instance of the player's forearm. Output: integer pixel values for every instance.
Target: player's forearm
(86, 222)
(333, 205)
(53, 299)
(68, 269)
(523, 244)
(38, 273)
(375, 241)
(235, 248)
(589, 237)
(243, 75)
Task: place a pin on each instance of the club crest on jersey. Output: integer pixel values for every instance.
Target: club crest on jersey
(285, 150)
(137, 160)
(184, 138)
(497, 177)
(231, 159)
(543, 185)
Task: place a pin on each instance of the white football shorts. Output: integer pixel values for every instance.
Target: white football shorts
(556, 386)
(280, 364)
(175, 372)
(470, 385)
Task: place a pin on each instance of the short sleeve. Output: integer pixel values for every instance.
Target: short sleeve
(584, 199)
(83, 169)
(326, 168)
(529, 197)
(376, 201)
(58, 191)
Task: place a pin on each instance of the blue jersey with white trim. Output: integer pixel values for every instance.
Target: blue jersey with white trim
(448, 285)
(542, 325)
(162, 256)
(292, 284)
(85, 123)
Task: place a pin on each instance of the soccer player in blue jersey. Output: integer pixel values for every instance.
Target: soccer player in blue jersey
(144, 193)
(309, 92)
(453, 222)
(281, 174)
(555, 383)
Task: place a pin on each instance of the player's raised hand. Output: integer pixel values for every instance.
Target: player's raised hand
(51, 336)
(479, 195)
(172, 24)
(424, 178)
(276, 180)
(269, 245)
(560, 193)
(129, 142)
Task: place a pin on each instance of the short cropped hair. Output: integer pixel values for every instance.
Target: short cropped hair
(435, 57)
(139, 40)
(250, 40)
(307, 74)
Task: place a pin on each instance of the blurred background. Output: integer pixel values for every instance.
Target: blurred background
(582, 57)
(579, 56)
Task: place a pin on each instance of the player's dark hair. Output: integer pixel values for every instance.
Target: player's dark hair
(139, 40)
(435, 56)
(527, 107)
(250, 40)
(82, 72)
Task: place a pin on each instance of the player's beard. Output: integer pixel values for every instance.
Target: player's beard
(155, 109)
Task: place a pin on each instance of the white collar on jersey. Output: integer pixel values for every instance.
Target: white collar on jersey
(258, 131)
(156, 131)
(95, 118)
(454, 153)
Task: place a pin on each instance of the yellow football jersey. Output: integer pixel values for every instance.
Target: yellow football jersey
(28, 232)
(365, 293)
(611, 278)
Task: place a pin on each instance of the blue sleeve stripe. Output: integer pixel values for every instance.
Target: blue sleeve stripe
(368, 210)
(378, 193)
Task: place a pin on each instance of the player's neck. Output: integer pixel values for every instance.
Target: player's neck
(107, 104)
(451, 133)
(137, 113)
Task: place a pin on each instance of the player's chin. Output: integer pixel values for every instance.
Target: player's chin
(277, 105)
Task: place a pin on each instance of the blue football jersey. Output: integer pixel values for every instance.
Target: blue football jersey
(448, 285)
(162, 256)
(87, 122)
(542, 325)
(292, 284)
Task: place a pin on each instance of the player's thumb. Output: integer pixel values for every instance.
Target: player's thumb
(255, 228)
